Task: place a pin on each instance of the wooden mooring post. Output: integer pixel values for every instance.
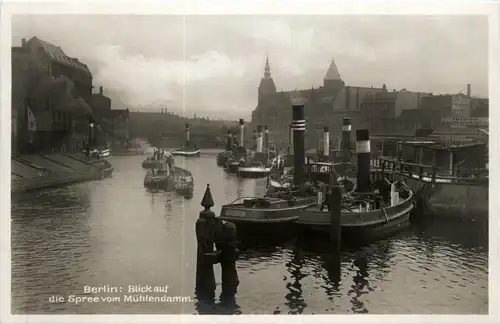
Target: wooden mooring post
(205, 235)
(335, 206)
(209, 231)
(335, 213)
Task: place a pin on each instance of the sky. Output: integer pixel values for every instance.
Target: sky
(212, 65)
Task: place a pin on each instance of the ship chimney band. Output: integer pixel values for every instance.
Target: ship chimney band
(363, 147)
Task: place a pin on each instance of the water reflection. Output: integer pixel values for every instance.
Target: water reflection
(295, 299)
(49, 236)
(116, 232)
(360, 281)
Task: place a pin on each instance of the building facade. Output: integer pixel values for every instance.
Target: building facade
(324, 106)
(112, 124)
(51, 95)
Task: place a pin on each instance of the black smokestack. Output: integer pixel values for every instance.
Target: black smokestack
(298, 128)
(242, 132)
(363, 152)
(346, 139)
(188, 135)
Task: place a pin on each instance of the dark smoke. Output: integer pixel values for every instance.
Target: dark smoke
(62, 94)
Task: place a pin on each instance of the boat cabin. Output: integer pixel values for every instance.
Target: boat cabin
(450, 159)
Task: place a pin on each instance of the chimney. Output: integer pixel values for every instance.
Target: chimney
(23, 42)
(100, 90)
(188, 135)
(326, 141)
(468, 90)
(259, 139)
(363, 151)
(242, 132)
(298, 128)
(346, 139)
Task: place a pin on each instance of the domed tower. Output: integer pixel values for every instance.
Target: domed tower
(332, 78)
(266, 85)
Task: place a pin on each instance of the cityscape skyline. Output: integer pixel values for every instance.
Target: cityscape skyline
(221, 77)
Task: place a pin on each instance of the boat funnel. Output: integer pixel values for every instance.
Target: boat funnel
(259, 138)
(187, 133)
(363, 156)
(346, 139)
(290, 140)
(298, 128)
(242, 132)
(326, 141)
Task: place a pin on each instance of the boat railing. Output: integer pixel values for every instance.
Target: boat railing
(430, 173)
(241, 199)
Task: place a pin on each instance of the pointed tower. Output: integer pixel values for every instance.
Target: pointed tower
(266, 85)
(332, 78)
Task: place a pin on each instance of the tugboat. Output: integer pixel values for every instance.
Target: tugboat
(189, 149)
(254, 168)
(156, 160)
(257, 165)
(368, 212)
(170, 177)
(183, 181)
(270, 220)
(225, 156)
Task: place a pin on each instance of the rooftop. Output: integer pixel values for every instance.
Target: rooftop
(57, 54)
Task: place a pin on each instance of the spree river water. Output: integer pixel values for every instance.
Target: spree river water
(115, 232)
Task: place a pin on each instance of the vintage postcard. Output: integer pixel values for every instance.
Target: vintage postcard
(191, 162)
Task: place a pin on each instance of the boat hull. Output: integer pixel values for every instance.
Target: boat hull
(150, 164)
(362, 226)
(186, 153)
(253, 172)
(266, 226)
(232, 167)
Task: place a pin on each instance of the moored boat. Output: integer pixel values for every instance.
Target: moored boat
(106, 152)
(364, 218)
(268, 220)
(253, 170)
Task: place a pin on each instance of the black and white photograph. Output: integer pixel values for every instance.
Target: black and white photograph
(211, 163)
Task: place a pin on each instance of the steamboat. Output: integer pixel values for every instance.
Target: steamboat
(369, 211)
(189, 148)
(170, 178)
